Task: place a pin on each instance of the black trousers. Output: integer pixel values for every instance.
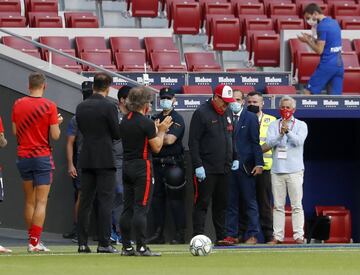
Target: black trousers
(215, 188)
(161, 195)
(99, 182)
(263, 196)
(138, 186)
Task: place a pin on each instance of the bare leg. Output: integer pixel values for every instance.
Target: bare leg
(41, 197)
(29, 206)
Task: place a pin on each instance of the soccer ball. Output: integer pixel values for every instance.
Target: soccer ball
(200, 245)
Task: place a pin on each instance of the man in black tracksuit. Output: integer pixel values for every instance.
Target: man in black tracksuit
(211, 149)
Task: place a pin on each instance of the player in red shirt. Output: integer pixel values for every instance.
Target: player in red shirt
(34, 119)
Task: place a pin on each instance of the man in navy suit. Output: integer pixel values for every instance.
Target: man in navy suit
(250, 163)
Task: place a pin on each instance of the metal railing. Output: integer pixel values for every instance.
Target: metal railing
(81, 61)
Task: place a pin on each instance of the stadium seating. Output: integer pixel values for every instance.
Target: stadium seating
(21, 45)
(356, 43)
(57, 42)
(13, 6)
(168, 61)
(340, 226)
(158, 44)
(83, 22)
(63, 61)
(31, 16)
(69, 15)
(245, 18)
(249, 8)
(12, 21)
(266, 50)
(133, 60)
(352, 73)
(193, 89)
(346, 45)
(251, 24)
(352, 23)
(208, 24)
(169, 8)
(143, 8)
(307, 63)
(44, 6)
(282, 9)
(102, 59)
(289, 23)
(245, 89)
(124, 43)
(186, 17)
(346, 9)
(280, 90)
(201, 62)
(47, 21)
(226, 34)
(90, 44)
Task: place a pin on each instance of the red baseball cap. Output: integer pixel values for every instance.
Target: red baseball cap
(225, 92)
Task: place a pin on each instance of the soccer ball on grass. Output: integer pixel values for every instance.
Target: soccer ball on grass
(200, 245)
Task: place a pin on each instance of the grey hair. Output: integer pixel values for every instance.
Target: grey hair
(137, 98)
(288, 98)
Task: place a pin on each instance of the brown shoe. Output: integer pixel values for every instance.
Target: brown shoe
(251, 240)
(299, 241)
(274, 241)
(224, 242)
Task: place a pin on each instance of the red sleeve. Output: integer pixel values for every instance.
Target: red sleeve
(1, 126)
(53, 114)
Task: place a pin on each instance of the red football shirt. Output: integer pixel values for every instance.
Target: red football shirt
(1, 126)
(33, 117)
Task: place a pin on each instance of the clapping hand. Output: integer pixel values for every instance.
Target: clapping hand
(165, 124)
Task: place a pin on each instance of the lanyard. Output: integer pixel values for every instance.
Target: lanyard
(292, 126)
(261, 119)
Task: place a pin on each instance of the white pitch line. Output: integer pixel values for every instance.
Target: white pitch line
(243, 251)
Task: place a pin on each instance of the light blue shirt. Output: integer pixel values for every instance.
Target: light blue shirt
(293, 141)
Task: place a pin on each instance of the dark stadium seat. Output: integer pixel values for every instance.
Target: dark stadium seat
(296, 46)
(57, 42)
(158, 44)
(31, 16)
(144, 8)
(201, 62)
(356, 43)
(350, 24)
(83, 22)
(44, 6)
(124, 43)
(194, 89)
(280, 90)
(13, 6)
(89, 43)
(63, 61)
(186, 18)
(166, 61)
(169, 8)
(21, 45)
(352, 73)
(133, 60)
(245, 89)
(289, 24)
(340, 224)
(226, 34)
(12, 21)
(346, 9)
(69, 14)
(307, 63)
(320, 208)
(346, 45)
(102, 59)
(246, 17)
(266, 50)
(282, 9)
(47, 21)
(249, 8)
(210, 17)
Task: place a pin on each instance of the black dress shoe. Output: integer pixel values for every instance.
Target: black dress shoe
(145, 251)
(107, 249)
(128, 251)
(84, 249)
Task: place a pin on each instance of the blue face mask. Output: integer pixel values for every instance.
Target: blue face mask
(166, 104)
(235, 107)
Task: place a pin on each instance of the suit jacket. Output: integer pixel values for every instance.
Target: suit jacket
(247, 143)
(97, 120)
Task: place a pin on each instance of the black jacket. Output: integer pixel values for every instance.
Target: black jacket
(97, 119)
(210, 140)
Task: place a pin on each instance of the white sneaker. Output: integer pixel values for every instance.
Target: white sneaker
(40, 247)
(4, 250)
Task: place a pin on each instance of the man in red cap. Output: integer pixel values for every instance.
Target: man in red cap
(212, 154)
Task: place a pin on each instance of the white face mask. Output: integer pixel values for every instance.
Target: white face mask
(312, 22)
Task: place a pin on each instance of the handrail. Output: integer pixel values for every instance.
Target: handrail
(40, 45)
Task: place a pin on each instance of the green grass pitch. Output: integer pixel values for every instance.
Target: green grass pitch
(178, 260)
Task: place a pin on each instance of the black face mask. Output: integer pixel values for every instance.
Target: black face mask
(253, 109)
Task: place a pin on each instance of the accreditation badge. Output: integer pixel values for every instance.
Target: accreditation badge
(282, 152)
